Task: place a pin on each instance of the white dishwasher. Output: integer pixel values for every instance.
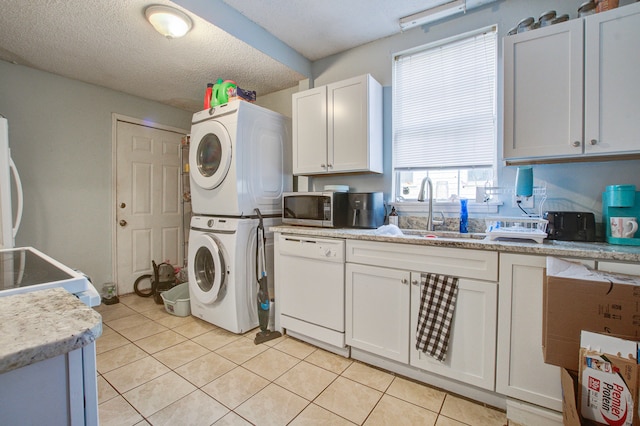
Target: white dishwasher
(310, 291)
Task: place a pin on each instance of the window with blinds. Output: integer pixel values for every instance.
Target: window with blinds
(444, 116)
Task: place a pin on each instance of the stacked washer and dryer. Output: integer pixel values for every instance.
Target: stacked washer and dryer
(240, 161)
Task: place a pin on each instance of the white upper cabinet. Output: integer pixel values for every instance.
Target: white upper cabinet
(569, 89)
(543, 92)
(337, 128)
(612, 91)
(310, 131)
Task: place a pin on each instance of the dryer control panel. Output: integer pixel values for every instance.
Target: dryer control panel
(220, 224)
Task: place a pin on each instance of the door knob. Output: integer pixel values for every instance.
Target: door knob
(123, 222)
(576, 143)
(123, 205)
(593, 142)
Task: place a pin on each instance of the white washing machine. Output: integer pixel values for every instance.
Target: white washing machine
(239, 160)
(223, 283)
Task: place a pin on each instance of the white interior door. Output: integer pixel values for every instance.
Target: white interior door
(148, 199)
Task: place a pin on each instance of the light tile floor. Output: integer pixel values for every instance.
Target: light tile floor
(160, 369)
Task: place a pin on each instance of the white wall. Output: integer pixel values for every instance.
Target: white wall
(60, 138)
(278, 101)
(571, 186)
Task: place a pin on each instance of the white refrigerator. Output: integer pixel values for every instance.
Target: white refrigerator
(9, 179)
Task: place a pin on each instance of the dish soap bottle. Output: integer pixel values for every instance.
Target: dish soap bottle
(464, 216)
(393, 217)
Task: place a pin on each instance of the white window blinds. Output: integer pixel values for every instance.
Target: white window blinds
(444, 104)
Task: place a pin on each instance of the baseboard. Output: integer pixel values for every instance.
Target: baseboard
(527, 414)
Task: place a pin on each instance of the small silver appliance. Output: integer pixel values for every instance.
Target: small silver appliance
(366, 210)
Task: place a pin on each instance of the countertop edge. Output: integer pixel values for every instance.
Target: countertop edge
(44, 324)
(597, 250)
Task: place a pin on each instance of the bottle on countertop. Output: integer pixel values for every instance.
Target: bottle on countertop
(464, 216)
(393, 217)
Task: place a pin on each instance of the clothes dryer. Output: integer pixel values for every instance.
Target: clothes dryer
(222, 272)
(239, 160)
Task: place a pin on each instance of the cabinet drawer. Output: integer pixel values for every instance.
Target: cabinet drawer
(463, 263)
(619, 268)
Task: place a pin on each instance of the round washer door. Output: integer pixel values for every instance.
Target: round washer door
(207, 268)
(210, 154)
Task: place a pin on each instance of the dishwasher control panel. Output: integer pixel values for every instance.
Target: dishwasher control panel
(318, 248)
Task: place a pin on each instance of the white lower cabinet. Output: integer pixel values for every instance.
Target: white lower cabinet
(61, 390)
(521, 370)
(472, 343)
(382, 306)
(377, 311)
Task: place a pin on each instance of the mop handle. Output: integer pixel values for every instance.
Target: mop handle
(261, 259)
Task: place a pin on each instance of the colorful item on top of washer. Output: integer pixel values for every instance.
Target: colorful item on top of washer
(221, 91)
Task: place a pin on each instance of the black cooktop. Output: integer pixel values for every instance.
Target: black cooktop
(23, 268)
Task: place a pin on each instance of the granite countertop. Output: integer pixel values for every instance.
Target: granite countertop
(43, 324)
(597, 251)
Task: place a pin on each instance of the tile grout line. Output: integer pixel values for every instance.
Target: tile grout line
(133, 308)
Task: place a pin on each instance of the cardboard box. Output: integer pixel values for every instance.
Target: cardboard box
(570, 411)
(569, 382)
(609, 379)
(606, 363)
(576, 298)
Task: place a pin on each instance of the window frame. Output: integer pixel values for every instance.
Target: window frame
(449, 206)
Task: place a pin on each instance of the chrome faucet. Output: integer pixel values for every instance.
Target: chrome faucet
(430, 222)
(427, 180)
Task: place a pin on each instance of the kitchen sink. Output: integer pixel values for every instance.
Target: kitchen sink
(442, 234)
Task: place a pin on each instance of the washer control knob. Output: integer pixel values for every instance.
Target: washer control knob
(210, 223)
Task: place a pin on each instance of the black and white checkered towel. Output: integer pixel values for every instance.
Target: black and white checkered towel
(437, 304)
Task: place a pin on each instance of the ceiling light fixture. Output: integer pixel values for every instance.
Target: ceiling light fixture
(444, 9)
(170, 22)
(433, 14)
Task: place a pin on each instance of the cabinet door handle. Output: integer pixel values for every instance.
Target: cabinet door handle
(329, 166)
(323, 166)
(593, 142)
(404, 281)
(576, 143)
(414, 282)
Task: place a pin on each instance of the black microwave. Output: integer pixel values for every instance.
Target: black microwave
(327, 209)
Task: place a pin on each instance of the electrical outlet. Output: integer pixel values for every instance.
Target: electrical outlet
(525, 202)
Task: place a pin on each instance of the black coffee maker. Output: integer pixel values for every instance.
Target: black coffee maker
(366, 210)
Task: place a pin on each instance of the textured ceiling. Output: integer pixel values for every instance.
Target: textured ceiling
(318, 29)
(109, 42)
